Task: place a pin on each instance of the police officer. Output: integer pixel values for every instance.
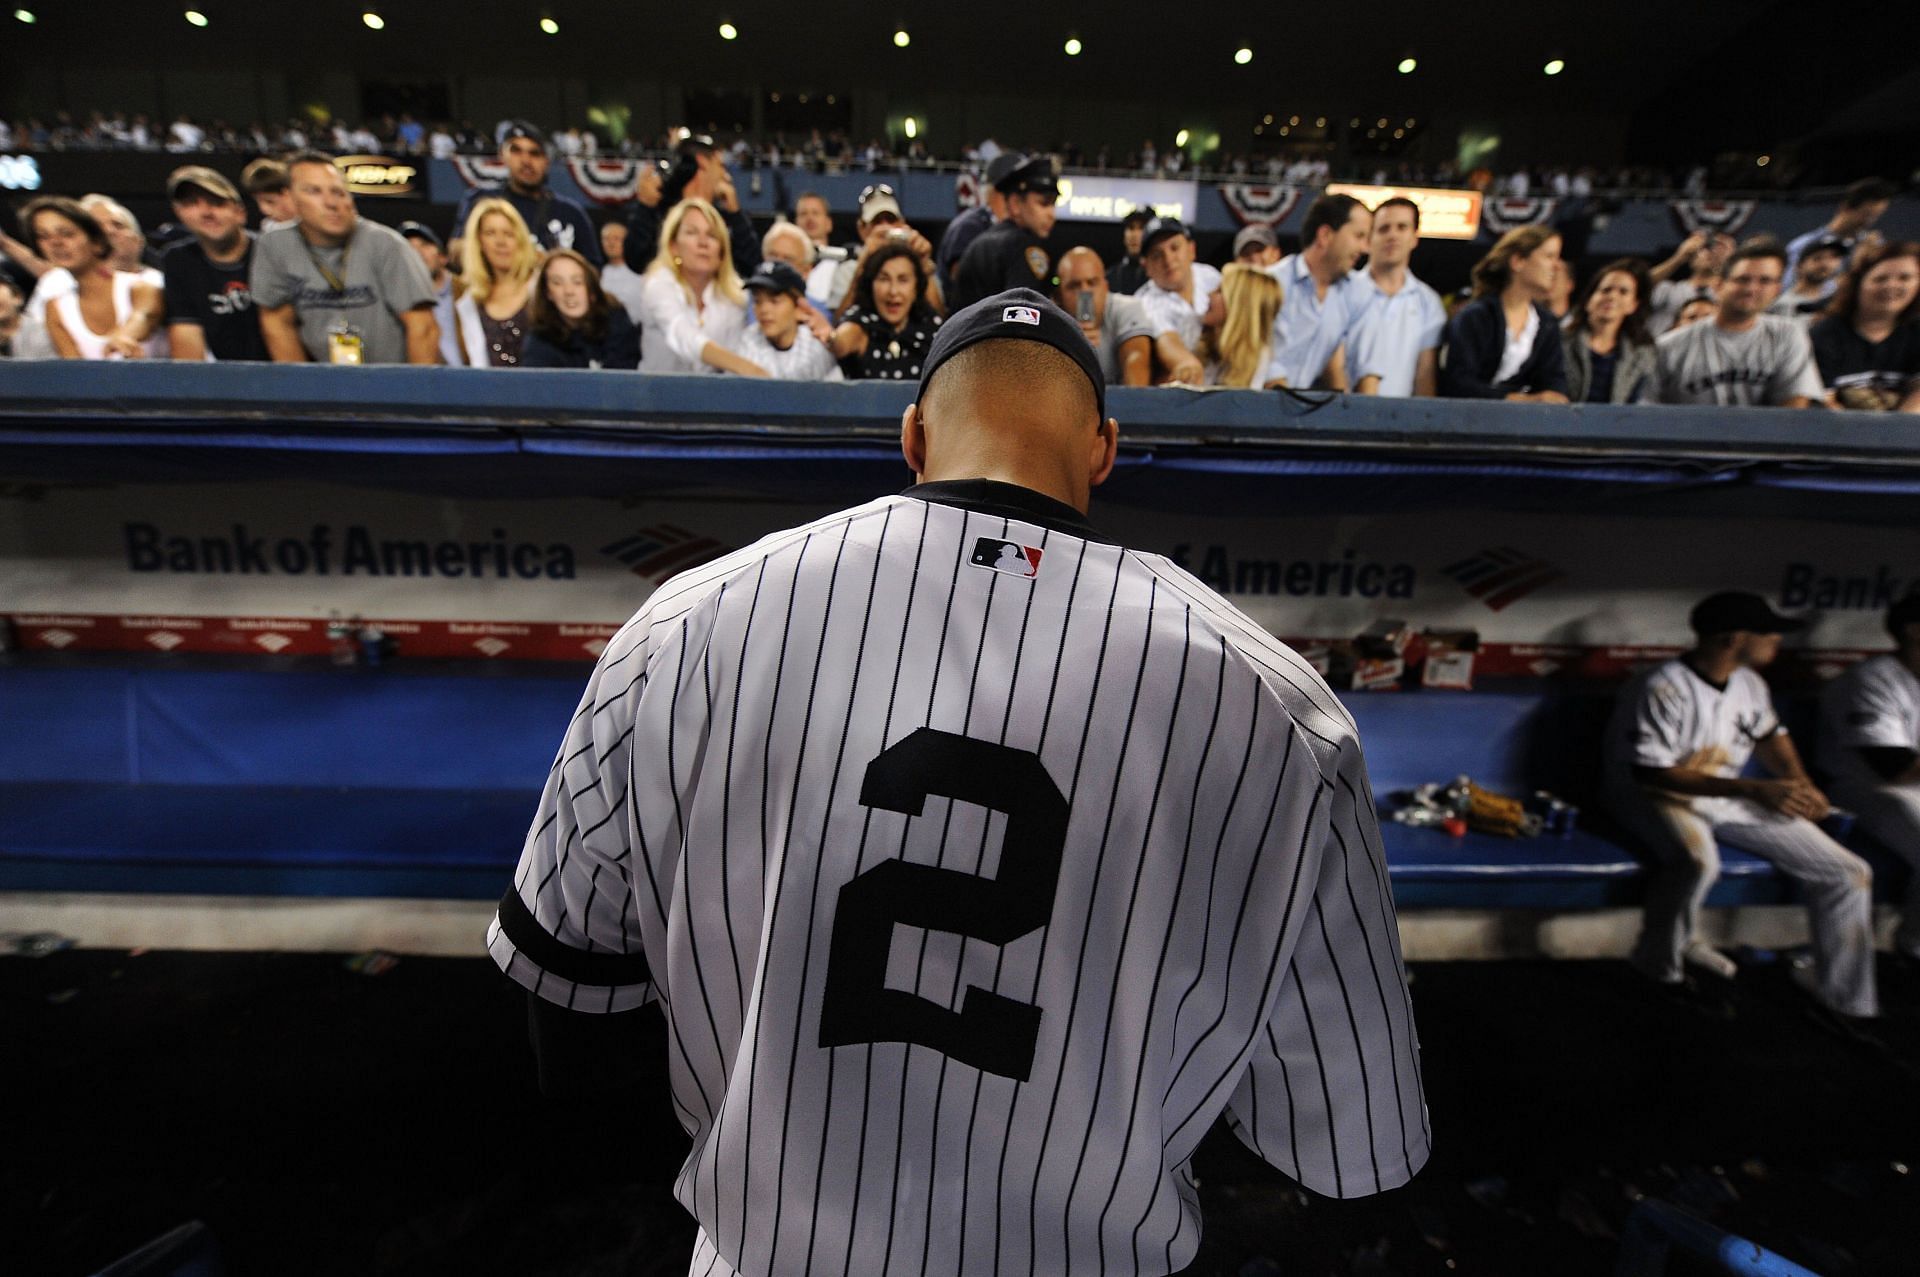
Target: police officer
(975, 222)
(1013, 254)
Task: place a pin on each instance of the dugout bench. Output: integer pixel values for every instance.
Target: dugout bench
(287, 778)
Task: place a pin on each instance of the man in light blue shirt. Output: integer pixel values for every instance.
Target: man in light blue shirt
(1319, 304)
(1395, 347)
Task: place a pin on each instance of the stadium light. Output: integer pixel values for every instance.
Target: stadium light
(728, 31)
(1243, 55)
(195, 18)
(25, 15)
(911, 127)
(1180, 138)
(1407, 65)
(548, 25)
(901, 39)
(1073, 46)
(1555, 67)
(373, 20)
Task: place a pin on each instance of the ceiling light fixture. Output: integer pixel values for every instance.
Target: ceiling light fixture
(1243, 55)
(901, 39)
(195, 18)
(728, 31)
(1074, 46)
(1407, 65)
(373, 20)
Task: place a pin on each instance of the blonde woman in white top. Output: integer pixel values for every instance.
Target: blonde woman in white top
(499, 262)
(692, 307)
(105, 313)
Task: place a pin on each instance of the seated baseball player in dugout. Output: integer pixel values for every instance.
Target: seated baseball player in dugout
(1680, 738)
(978, 864)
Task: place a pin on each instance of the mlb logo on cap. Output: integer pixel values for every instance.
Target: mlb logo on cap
(1006, 556)
(1020, 315)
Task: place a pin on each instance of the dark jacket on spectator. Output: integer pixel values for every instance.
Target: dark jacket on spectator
(643, 238)
(618, 348)
(1634, 368)
(1476, 338)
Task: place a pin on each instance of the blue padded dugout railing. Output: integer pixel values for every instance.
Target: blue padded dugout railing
(1655, 1228)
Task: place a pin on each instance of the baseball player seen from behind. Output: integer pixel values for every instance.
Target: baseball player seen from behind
(1680, 739)
(978, 863)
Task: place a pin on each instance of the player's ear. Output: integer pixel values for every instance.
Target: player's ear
(913, 440)
(1106, 444)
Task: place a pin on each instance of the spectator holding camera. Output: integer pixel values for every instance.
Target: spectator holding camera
(1505, 343)
(1013, 253)
(554, 220)
(209, 298)
(499, 260)
(91, 310)
(572, 322)
(890, 322)
(1742, 356)
(693, 307)
(777, 340)
(1861, 205)
(1868, 345)
(338, 288)
(698, 171)
(1116, 327)
(1610, 358)
(1814, 279)
(1703, 255)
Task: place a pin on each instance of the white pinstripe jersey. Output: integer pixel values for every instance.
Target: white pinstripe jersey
(978, 865)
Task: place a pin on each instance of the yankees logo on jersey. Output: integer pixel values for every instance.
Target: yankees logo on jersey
(973, 898)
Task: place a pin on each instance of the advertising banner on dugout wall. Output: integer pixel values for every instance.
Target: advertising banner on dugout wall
(261, 568)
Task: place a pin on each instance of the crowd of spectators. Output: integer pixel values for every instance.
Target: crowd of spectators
(686, 284)
(1299, 163)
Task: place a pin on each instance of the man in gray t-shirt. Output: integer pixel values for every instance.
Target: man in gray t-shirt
(337, 288)
(1742, 356)
(1118, 327)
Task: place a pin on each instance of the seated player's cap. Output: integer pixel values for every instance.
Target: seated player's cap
(1732, 611)
(1022, 315)
(420, 230)
(1902, 614)
(1030, 176)
(1256, 234)
(511, 129)
(773, 276)
(1162, 228)
(198, 177)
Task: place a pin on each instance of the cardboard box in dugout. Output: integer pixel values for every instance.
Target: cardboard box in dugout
(1449, 662)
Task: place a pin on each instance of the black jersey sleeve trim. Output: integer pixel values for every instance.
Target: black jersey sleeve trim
(606, 970)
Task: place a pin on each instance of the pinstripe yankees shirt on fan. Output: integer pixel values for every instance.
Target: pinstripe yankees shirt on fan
(979, 865)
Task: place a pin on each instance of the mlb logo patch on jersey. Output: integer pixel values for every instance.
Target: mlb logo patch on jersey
(1020, 315)
(1006, 556)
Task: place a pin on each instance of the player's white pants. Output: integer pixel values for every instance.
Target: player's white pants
(1891, 813)
(707, 1261)
(1838, 886)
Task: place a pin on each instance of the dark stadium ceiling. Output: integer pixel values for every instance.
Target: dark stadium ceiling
(1470, 57)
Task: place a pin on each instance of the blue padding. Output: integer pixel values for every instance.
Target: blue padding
(280, 839)
(192, 725)
(67, 725)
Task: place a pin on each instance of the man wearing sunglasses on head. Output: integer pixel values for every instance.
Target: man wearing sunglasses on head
(880, 223)
(1014, 253)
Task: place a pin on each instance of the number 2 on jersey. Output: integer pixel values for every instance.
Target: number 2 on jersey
(993, 1033)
